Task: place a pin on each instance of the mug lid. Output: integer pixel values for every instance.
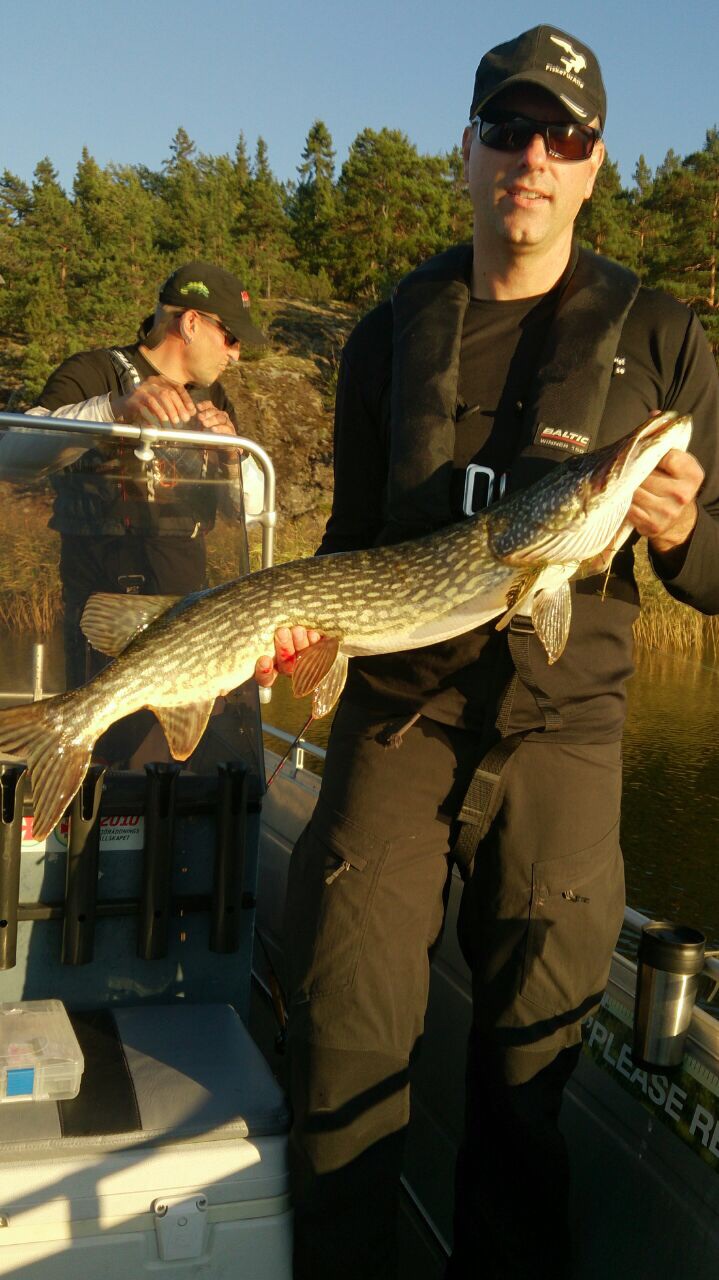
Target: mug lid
(677, 948)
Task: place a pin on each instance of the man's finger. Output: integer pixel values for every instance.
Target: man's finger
(265, 673)
(284, 651)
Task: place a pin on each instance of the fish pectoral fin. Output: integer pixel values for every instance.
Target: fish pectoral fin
(518, 595)
(551, 617)
(320, 670)
(329, 689)
(313, 664)
(184, 725)
(110, 621)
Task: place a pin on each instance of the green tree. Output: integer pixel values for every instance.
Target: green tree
(604, 222)
(266, 238)
(313, 206)
(50, 245)
(181, 227)
(459, 206)
(393, 212)
(686, 259)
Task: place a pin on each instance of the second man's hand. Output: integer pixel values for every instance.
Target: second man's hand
(157, 398)
(289, 641)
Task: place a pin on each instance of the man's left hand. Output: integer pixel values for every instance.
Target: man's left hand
(210, 418)
(664, 508)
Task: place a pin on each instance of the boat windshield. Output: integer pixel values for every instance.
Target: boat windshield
(134, 512)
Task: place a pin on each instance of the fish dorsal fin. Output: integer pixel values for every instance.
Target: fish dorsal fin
(329, 689)
(110, 622)
(184, 725)
(312, 665)
(551, 616)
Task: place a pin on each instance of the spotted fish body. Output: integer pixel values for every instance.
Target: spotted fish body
(177, 657)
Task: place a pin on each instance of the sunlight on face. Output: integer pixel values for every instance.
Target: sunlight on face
(527, 200)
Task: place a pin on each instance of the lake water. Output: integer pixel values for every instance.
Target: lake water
(670, 824)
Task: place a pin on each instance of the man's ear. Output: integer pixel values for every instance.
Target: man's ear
(188, 325)
(466, 148)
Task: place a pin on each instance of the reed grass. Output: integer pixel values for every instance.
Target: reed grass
(664, 623)
(31, 602)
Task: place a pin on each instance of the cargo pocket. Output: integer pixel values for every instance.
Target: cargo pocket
(333, 877)
(576, 912)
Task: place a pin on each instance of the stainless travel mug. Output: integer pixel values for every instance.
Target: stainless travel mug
(669, 962)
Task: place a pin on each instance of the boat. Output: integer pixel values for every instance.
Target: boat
(154, 914)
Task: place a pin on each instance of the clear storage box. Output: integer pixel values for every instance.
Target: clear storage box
(40, 1058)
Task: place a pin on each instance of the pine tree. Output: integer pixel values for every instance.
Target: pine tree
(266, 226)
(460, 216)
(182, 224)
(392, 212)
(604, 222)
(686, 260)
(313, 206)
(50, 246)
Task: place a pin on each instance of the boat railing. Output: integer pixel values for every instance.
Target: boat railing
(300, 748)
(145, 437)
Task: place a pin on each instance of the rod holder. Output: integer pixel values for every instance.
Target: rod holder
(230, 846)
(83, 847)
(12, 792)
(152, 942)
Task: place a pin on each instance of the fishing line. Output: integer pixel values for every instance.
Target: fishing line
(290, 749)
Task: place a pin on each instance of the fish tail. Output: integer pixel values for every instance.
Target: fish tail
(57, 758)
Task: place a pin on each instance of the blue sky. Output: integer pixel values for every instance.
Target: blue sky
(119, 77)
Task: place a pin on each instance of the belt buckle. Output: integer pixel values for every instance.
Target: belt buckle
(131, 584)
(522, 624)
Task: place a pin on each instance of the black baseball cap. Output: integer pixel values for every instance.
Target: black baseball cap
(550, 58)
(201, 286)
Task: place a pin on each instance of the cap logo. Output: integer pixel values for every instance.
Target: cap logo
(573, 62)
(195, 286)
(245, 298)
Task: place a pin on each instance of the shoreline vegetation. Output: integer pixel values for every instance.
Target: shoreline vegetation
(31, 605)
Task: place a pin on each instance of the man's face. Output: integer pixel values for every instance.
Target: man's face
(527, 200)
(210, 350)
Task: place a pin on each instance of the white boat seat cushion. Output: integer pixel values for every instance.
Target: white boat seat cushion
(154, 1075)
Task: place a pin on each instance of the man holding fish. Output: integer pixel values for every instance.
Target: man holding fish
(492, 363)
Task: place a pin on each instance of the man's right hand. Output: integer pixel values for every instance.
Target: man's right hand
(157, 399)
(288, 643)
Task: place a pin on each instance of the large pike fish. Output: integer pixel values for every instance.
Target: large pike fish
(176, 657)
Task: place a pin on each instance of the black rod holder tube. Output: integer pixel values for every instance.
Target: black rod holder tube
(83, 846)
(153, 935)
(230, 844)
(12, 790)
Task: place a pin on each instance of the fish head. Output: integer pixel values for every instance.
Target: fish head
(578, 510)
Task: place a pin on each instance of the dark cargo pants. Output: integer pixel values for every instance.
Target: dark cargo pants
(540, 916)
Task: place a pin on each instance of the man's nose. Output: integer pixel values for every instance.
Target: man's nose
(535, 152)
(234, 351)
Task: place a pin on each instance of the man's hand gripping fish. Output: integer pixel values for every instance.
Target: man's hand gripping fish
(176, 657)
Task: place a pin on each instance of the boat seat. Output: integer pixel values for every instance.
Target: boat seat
(155, 1075)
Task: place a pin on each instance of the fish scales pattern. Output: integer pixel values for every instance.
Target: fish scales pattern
(378, 600)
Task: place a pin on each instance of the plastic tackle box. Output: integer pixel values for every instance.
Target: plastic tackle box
(40, 1058)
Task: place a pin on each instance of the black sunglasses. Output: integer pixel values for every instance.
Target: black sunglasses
(507, 132)
(230, 339)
